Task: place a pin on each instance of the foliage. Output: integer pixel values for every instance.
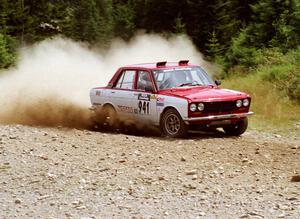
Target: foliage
(272, 108)
(279, 70)
(262, 23)
(276, 24)
(283, 71)
(275, 88)
(237, 34)
(85, 25)
(123, 17)
(272, 24)
(179, 26)
(214, 48)
(7, 51)
(240, 54)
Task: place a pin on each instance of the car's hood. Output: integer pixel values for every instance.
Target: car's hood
(196, 94)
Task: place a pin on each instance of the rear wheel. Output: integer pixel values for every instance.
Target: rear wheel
(236, 129)
(108, 117)
(172, 124)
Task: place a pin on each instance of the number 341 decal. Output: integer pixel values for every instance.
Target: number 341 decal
(144, 107)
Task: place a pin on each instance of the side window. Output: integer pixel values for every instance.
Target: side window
(144, 82)
(126, 80)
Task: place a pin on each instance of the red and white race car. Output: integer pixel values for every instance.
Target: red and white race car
(174, 96)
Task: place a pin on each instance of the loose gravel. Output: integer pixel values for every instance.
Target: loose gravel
(69, 173)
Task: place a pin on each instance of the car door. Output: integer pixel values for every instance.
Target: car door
(144, 98)
(121, 95)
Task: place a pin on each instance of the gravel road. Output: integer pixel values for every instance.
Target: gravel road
(69, 173)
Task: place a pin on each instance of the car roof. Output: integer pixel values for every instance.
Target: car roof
(154, 66)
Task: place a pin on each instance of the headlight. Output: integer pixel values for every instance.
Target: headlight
(200, 106)
(239, 103)
(245, 102)
(193, 107)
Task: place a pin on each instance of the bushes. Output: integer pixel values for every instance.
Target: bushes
(285, 79)
(273, 110)
(274, 85)
(283, 71)
(7, 51)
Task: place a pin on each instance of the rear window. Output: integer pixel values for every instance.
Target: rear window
(126, 81)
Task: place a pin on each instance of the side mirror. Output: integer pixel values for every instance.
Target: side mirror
(218, 82)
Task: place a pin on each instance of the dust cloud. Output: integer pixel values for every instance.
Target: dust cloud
(51, 82)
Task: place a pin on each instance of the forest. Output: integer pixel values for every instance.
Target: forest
(247, 38)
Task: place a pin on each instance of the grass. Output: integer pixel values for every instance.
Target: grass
(274, 111)
(274, 85)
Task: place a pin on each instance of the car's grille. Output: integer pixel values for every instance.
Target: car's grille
(219, 107)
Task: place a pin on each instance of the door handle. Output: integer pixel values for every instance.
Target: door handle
(113, 92)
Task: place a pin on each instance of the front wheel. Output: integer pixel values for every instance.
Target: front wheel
(236, 129)
(172, 124)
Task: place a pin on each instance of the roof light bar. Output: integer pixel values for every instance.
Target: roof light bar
(183, 62)
(161, 64)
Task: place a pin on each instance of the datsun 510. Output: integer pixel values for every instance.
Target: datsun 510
(174, 96)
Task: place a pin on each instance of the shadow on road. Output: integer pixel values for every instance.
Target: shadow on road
(154, 132)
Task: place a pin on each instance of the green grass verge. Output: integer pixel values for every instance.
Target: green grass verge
(274, 111)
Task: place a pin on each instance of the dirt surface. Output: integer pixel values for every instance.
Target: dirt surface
(68, 173)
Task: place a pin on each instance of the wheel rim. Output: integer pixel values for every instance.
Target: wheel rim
(172, 124)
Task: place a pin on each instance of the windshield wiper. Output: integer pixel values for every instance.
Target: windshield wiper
(185, 84)
(189, 84)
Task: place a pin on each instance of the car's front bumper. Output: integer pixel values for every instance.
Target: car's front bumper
(219, 117)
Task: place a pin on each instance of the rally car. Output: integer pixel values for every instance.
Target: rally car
(175, 96)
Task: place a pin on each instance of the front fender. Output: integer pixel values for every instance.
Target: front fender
(180, 104)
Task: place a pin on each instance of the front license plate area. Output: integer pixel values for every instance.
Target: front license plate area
(220, 122)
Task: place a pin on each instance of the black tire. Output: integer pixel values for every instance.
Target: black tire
(236, 129)
(172, 125)
(108, 118)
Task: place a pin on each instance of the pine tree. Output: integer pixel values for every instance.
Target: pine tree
(199, 18)
(159, 16)
(123, 18)
(227, 24)
(14, 18)
(85, 22)
(275, 23)
(179, 26)
(3, 15)
(214, 47)
(90, 21)
(230, 17)
(106, 22)
(7, 51)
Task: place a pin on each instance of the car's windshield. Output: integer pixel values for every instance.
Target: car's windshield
(181, 77)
